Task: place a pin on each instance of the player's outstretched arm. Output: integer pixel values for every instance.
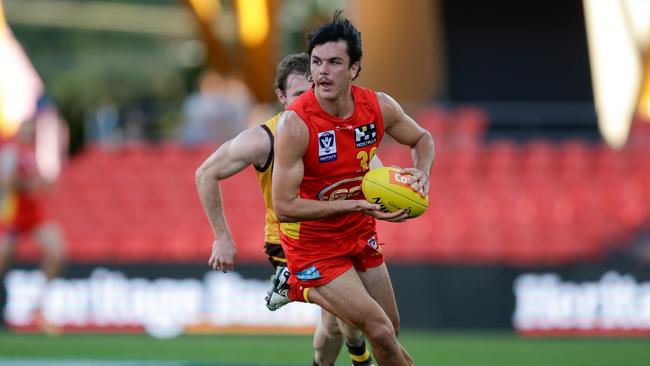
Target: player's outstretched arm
(291, 143)
(252, 146)
(406, 131)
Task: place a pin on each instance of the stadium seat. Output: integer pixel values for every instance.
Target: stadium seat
(538, 160)
(530, 203)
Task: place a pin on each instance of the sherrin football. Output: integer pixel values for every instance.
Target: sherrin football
(386, 187)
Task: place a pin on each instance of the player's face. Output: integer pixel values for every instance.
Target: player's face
(296, 84)
(331, 70)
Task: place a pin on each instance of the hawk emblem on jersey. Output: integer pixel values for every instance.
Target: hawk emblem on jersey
(326, 146)
(365, 135)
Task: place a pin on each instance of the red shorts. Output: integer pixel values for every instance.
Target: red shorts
(314, 263)
(28, 215)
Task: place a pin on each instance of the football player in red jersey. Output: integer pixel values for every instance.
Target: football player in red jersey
(323, 146)
(254, 146)
(22, 188)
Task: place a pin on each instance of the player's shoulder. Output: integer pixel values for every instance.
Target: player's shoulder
(388, 105)
(292, 127)
(252, 142)
(290, 118)
(271, 124)
(384, 98)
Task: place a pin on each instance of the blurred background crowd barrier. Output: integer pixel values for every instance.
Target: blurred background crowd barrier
(540, 195)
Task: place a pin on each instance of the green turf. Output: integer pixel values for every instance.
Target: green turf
(428, 349)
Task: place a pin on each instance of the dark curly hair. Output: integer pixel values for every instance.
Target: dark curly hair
(339, 29)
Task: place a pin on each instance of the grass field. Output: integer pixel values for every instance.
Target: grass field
(428, 349)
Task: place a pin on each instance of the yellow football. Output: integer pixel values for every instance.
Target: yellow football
(386, 187)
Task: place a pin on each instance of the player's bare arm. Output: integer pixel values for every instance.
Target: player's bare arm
(292, 138)
(8, 163)
(252, 146)
(406, 131)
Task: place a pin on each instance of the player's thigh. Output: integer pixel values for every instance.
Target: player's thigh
(378, 284)
(346, 297)
(49, 236)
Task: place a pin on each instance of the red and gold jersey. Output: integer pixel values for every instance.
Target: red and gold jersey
(21, 206)
(337, 157)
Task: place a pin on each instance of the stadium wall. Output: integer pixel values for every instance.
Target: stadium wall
(166, 300)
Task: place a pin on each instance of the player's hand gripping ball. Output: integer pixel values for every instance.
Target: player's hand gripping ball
(387, 187)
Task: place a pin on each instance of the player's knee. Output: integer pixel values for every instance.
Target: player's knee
(53, 259)
(381, 334)
(54, 253)
(353, 336)
(330, 324)
(396, 325)
(332, 329)
(51, 239)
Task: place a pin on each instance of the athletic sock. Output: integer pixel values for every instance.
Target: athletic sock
(298, 293)
(359, 354)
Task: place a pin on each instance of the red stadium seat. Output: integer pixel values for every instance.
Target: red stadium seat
(539, 160)
(530, 204)
(434, 120)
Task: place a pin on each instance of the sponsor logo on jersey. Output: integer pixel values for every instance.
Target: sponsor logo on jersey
(342, 190)
(326, 146)
(365, 135)
(310, 273)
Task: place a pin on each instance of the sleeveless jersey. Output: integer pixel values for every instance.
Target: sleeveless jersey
(20, 208)
(337, 157)
(264, 175)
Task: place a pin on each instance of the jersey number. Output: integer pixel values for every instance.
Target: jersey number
(365, 158)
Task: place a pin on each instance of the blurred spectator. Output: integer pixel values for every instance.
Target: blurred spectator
(101, 125)
(637, 251)
(23, 186)
(136, 123)
(217, 111)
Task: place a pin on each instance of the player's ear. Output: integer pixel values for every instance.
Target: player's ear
(354, 70)
(281, 97)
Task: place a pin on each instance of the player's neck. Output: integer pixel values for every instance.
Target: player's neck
(341, 107)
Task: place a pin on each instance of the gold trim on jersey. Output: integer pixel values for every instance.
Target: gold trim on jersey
(291, 229)
(8, 206)
(264, 179)
(279, 259)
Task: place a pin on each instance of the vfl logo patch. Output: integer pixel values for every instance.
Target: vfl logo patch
(365, 135)
(326, 146)
(372, 242)
(310, 273)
